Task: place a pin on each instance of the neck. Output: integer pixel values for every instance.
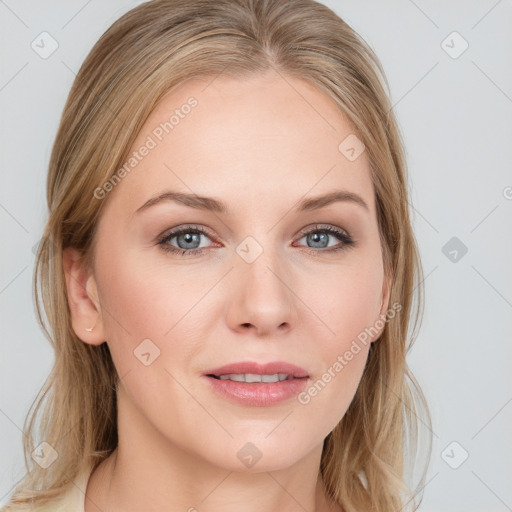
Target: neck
(147, 471)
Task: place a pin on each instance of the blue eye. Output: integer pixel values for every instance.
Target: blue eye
(188, 236)
(189, 240)
(320, 236)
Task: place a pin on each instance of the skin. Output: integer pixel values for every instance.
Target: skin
(259, 144)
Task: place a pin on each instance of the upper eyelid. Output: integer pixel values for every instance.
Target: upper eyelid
(319, 227)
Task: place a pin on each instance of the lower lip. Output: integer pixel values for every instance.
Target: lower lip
(259, 394)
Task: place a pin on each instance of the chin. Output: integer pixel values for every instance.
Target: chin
(258, 453)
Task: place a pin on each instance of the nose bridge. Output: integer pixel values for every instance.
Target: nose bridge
(264, 298)
(262, 262)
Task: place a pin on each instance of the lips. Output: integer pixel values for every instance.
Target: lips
(250, 367)
(257, 384)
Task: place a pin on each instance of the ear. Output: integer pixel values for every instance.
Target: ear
(380, 321)
(386, 293)
(82, 298)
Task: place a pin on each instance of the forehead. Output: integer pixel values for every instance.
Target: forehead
(266, 136)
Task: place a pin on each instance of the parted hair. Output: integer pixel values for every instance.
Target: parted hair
(370, 456)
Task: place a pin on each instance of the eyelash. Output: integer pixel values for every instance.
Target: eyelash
(342, 235)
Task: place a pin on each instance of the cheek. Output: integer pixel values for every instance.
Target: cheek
(146, 301)
(146, 328)
(134, 325)
(348, 304)
(150, 310)
(342, 358)
(347, 300)
(332, 390)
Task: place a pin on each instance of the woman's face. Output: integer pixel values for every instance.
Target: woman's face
(268, 284)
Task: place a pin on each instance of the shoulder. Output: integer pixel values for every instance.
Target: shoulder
(72, 500)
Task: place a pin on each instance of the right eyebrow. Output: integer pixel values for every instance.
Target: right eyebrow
(191, 200)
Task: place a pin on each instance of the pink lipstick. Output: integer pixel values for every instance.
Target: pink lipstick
(256, 384)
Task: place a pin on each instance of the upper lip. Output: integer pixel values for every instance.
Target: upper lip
(260, 369)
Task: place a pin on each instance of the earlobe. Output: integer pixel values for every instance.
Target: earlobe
(82, 297)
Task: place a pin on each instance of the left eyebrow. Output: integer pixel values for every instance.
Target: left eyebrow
(217, 206)
(315, 203)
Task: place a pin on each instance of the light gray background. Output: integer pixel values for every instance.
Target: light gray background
(456, 118)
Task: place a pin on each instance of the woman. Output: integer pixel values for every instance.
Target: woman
(228, 271)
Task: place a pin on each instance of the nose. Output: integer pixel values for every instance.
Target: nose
(263, 299)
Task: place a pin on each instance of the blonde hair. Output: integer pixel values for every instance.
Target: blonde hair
(145, 54)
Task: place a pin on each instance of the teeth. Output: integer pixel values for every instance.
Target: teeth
(254, 377)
